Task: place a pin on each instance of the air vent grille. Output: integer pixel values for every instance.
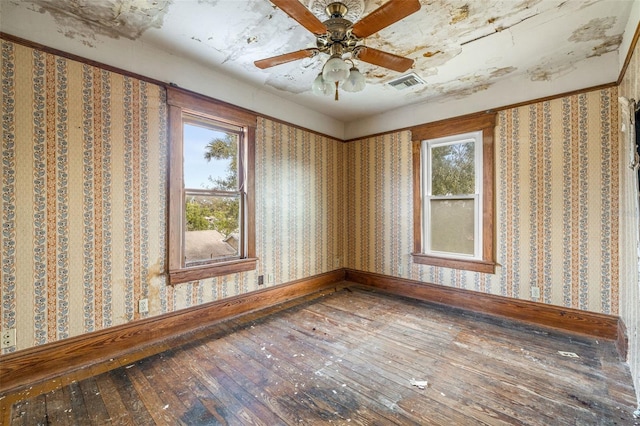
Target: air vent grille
(405, 81)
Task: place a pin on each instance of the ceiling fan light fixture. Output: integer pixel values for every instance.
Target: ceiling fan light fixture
(321, 87)
(339, 36)
(355, 82)
(336, 69)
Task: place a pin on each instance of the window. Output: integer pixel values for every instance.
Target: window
(213, 191)
(453, 193)
(452, 188)
(211, 217)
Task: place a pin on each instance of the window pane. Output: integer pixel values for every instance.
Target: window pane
(212, 228)
(210, 158)
(452, 226)
(452, 169)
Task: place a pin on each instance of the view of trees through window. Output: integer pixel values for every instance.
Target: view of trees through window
(212, 195)
(451, 205)
(453, 169)
(218, 213)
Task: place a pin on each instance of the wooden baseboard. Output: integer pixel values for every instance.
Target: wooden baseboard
(146, 336)
(540, 314)
(622, 342)
(109, 348)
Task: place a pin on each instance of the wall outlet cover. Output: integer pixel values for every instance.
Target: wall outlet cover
(8, 338)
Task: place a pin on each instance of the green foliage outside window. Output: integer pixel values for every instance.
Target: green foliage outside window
(453, 169)
(225, 216)
(197, 212)
(210, 212)
(224, 149)
(218, 212)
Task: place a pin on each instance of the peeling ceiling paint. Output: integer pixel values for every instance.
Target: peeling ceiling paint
(549, 72)
(610, 44)
(112, 18)
(460, 47)
(596, 30)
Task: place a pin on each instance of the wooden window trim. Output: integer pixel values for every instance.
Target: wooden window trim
(486, 123)
(180, 103)
(200, 104)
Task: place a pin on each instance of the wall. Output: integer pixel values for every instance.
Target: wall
(82, 158)
(629, 225)
(84, 201)
(380, 204)
(557, 205)
(300, 180)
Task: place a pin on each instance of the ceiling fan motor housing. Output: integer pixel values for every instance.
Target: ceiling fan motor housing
(338, 39)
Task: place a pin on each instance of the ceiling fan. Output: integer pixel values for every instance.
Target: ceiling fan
(340, 38)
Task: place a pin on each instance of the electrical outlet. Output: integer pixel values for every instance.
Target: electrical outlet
(260, 279)
(8, 338)
(270, 278)
(336, 262)
(143, 306)
(535, 292)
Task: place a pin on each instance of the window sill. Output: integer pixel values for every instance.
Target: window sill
(196, 273)
(484, 266)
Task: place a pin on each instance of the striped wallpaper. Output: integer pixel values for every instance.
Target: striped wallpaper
(84, 166)
(81, 147)
(630, 225)
(299, 210)
(557, 205)
(380, 204)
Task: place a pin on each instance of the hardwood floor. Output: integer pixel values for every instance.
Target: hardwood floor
(350, 358)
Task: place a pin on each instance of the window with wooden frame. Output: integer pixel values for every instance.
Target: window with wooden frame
(211, 188)
(453, 180)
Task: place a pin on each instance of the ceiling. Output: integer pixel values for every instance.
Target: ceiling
(499, 51)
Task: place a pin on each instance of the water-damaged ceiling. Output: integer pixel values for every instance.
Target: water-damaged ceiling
(461, 48)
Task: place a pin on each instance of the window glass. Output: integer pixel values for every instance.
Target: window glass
(212, 232)
(453, 168)
(453, 226)
(213, 201)
(452, 222)
(210, 158)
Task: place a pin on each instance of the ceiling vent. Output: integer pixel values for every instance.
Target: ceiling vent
(405, 81)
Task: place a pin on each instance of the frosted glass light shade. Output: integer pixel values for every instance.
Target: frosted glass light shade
(335, 70)
(321, 87)
(355, 82)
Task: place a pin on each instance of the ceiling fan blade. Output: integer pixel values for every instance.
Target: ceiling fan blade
(390, 12)
(287, 57)
(300, 13)
(384, 59)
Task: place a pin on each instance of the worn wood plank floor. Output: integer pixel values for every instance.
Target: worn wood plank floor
(350, 358)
